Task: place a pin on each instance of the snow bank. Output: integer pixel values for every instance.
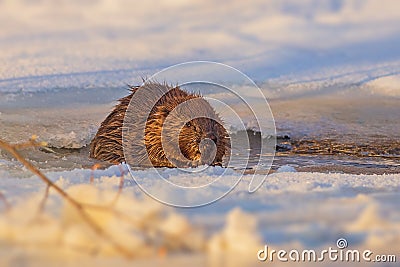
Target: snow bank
(144, 228)
(291, 210)
(387, 86)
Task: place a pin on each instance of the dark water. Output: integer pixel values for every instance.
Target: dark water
(323, 155)
(334, 134)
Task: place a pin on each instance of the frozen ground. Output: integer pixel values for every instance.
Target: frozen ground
(329, 69)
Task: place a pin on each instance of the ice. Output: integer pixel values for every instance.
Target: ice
(286, 168)
(293, 50)
(296, 47)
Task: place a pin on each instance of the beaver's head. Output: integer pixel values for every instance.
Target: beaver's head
(185, 131)
(203, 140)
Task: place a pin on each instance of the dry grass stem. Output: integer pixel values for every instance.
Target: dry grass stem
(81, 208)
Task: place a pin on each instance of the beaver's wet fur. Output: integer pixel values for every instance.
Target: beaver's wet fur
(107, 145)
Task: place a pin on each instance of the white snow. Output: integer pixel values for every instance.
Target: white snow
(63, 63)
(286, 168)
(291, 210)
(105, 43)
(388, 86)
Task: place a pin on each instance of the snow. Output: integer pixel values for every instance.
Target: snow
(388, 86)
(104, 43)
(291, 210)
(63, 63)
(286, 168)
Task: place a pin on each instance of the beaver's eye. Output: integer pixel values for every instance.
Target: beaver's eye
(188, 124)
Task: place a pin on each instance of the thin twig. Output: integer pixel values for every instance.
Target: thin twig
(79, 207)
(43, 202)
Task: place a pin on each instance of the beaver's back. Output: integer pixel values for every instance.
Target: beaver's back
(107, 143)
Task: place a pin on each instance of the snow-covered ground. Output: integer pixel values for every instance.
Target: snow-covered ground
(306, 44)
(290, 211)
(323, 65)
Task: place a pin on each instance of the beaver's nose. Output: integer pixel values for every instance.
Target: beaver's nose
(213, 137)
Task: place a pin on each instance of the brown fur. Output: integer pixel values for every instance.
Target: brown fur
(107, 145)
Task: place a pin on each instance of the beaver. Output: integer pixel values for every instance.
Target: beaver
(192, 123)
